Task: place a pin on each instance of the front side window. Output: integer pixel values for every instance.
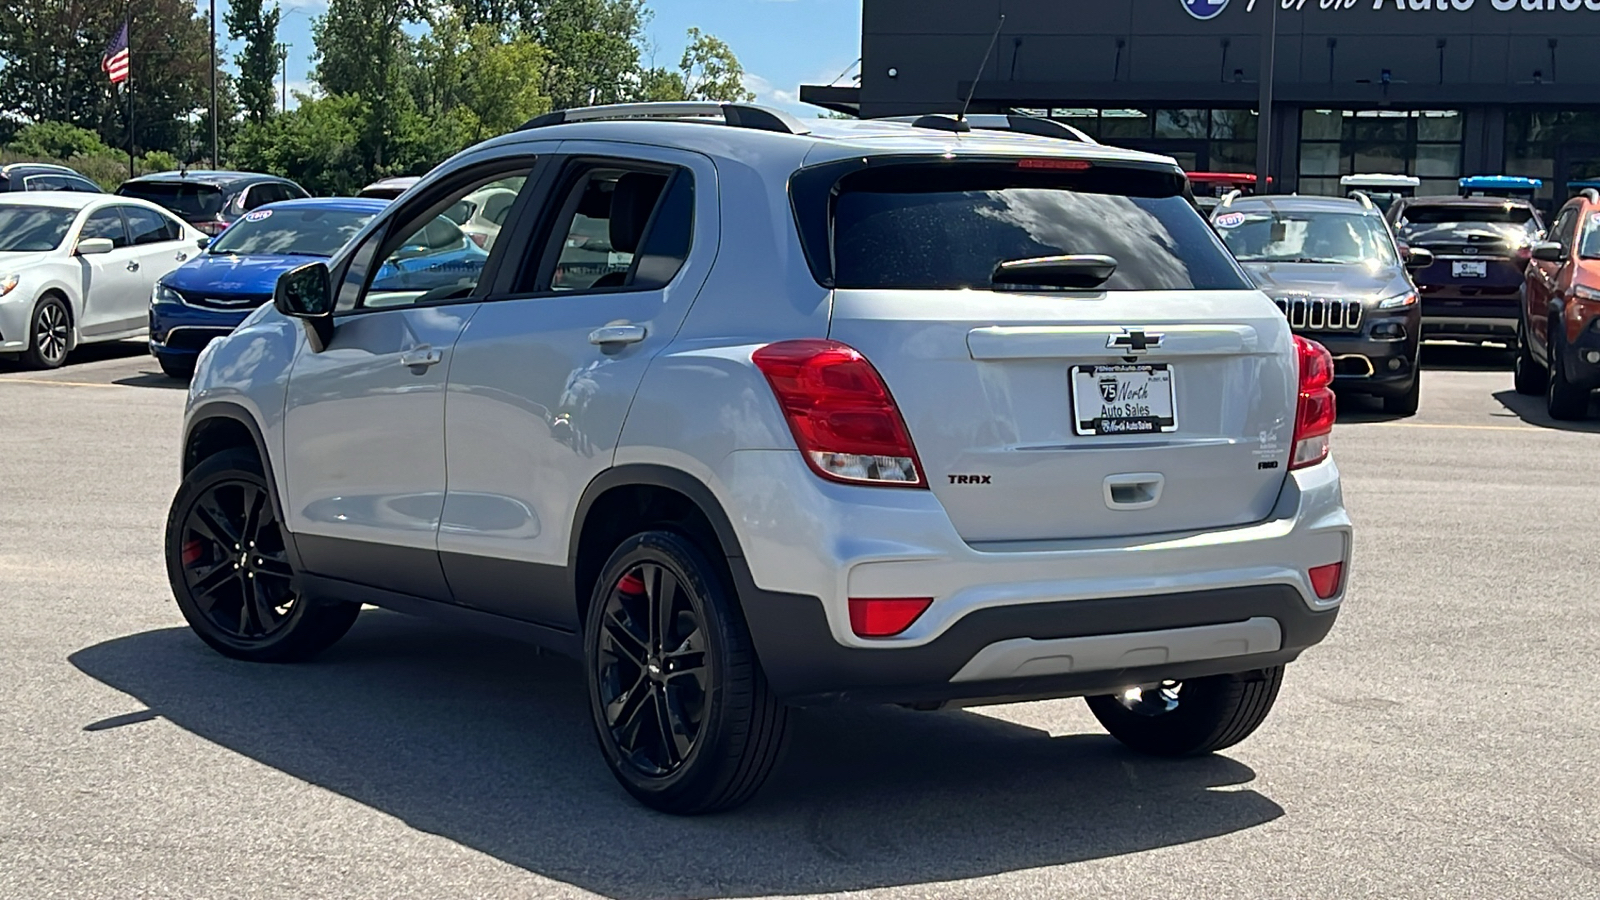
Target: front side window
(433, 260)
(948, 227)
(1306, 237)
(105, 223)
(33, 229)
(291, 231)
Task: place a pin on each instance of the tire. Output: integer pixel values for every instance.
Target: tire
(1563, 400)
(1200, 716)
(723, 728)
(49, 334)
(243, 604)
(181, 369)
(1405, 404)
(1530, 378)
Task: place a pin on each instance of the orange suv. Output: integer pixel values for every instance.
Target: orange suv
(1558, 345)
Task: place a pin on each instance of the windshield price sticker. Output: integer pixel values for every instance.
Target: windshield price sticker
(1230, 220)
(258, 215)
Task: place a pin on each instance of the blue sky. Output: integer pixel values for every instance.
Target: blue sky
(782, 43)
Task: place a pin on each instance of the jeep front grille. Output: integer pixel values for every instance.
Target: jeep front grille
(1320, 313)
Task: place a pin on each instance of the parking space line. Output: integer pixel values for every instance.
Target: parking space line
(1444, 425)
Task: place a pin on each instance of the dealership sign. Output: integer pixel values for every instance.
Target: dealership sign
(1208, 9)
(1204, 9)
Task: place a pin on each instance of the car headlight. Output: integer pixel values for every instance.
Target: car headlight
(1586, 293)
(8, 283)
(1399, 301)
(165, 294)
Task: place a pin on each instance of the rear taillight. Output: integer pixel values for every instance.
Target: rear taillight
(841, 413)
(879, 617)
(212, 227)
(1315, 410)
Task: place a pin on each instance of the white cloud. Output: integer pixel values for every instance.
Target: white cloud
(769, 94)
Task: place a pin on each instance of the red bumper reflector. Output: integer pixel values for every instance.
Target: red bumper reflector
(1326, 580)
(876, 617)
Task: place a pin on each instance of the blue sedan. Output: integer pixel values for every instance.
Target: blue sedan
(211, 294)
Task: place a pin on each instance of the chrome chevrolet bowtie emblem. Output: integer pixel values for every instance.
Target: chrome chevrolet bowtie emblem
(1134, 340)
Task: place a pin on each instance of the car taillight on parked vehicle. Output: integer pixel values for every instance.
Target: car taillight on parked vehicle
(878, 617)
(842, 415)
(212, 227)
(1315, 409)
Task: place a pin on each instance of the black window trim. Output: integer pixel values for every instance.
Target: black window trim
(127, 233)
(565, 169)
(383, 240)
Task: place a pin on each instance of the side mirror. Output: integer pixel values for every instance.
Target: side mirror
(94, 246)
(1418, 259)
(1549, 251)
(306, 293)
(204, 242)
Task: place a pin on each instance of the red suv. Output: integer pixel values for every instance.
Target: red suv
(1558, 345)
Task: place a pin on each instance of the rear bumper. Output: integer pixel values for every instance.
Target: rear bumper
(810, 545)
(1448, 315)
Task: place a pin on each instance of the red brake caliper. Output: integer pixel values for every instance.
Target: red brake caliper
(192, 552)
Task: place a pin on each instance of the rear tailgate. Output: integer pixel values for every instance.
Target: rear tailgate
(989, 402)
(1159, 400)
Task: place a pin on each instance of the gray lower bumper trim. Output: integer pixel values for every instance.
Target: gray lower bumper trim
(1026, 657)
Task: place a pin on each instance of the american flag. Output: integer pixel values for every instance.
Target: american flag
(115, 60)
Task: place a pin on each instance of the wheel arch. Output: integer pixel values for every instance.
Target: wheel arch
(648, 495)
(71, 305)
(221, 426)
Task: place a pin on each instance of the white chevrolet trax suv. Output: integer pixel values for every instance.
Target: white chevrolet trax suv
(747, 413)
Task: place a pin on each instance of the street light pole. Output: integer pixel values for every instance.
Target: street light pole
(283, 62)
(1269, 62)
(214, 163)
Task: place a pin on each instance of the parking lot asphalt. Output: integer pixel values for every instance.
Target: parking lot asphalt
(1443, 743)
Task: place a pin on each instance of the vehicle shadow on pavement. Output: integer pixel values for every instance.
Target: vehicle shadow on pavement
(1453, 357)
(488, 744)
(153, 380)
(1532, 411)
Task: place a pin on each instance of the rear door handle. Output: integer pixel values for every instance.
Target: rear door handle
(617, 334)
(421, 359)
(133, 266)
(182, 256)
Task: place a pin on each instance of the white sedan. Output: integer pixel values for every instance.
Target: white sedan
(79, 268)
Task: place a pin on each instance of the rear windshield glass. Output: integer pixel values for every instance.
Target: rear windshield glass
(290, 231)
(192, 201)
(1306, 237)
(30, 229)
(1451, 214)
(941, 227)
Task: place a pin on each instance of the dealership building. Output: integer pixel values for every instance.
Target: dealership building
(1437, 89)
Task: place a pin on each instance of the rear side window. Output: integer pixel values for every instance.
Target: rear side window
(1451, 214)
(149, 227)
(944, 227)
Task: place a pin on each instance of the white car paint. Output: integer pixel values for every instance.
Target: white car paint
(108, 294)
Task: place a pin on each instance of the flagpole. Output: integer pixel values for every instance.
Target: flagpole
(128, 10)
(214, 163)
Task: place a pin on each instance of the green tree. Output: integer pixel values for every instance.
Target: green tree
(318, 144)
(593, 48)
(57, 140)
(362, 52)
(710, 71)
(257, 26)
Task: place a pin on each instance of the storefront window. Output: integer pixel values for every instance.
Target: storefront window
(1182, 123)
(1214, 140)
(1557, 147)
(1233, 124)
(1335, 142)
(1124, 123)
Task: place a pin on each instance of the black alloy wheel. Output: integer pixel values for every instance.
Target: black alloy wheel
(679, 702)
(49, 334)
(230, 569)
(655, 675)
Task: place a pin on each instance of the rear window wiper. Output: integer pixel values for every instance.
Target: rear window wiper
(1082, 270)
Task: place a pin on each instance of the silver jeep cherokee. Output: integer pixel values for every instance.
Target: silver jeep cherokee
(746, 413)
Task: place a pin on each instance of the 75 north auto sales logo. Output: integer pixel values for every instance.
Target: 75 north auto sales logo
(1204, 9)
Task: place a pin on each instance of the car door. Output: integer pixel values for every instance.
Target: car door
(364, 418)
(115, 295)
(158, 238)
(544, 374)
(1542, 282)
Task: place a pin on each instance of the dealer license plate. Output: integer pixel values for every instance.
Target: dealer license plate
(1128, 398)
(1469, 268)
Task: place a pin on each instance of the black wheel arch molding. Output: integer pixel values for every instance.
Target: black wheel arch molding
(227, 418)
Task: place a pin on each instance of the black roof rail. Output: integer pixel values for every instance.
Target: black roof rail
(734, 115)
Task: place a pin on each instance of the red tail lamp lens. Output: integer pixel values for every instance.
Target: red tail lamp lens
(1326, 580)
(1315, 409)
(879, 617)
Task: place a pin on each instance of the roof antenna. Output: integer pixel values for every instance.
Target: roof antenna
(981, 66)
